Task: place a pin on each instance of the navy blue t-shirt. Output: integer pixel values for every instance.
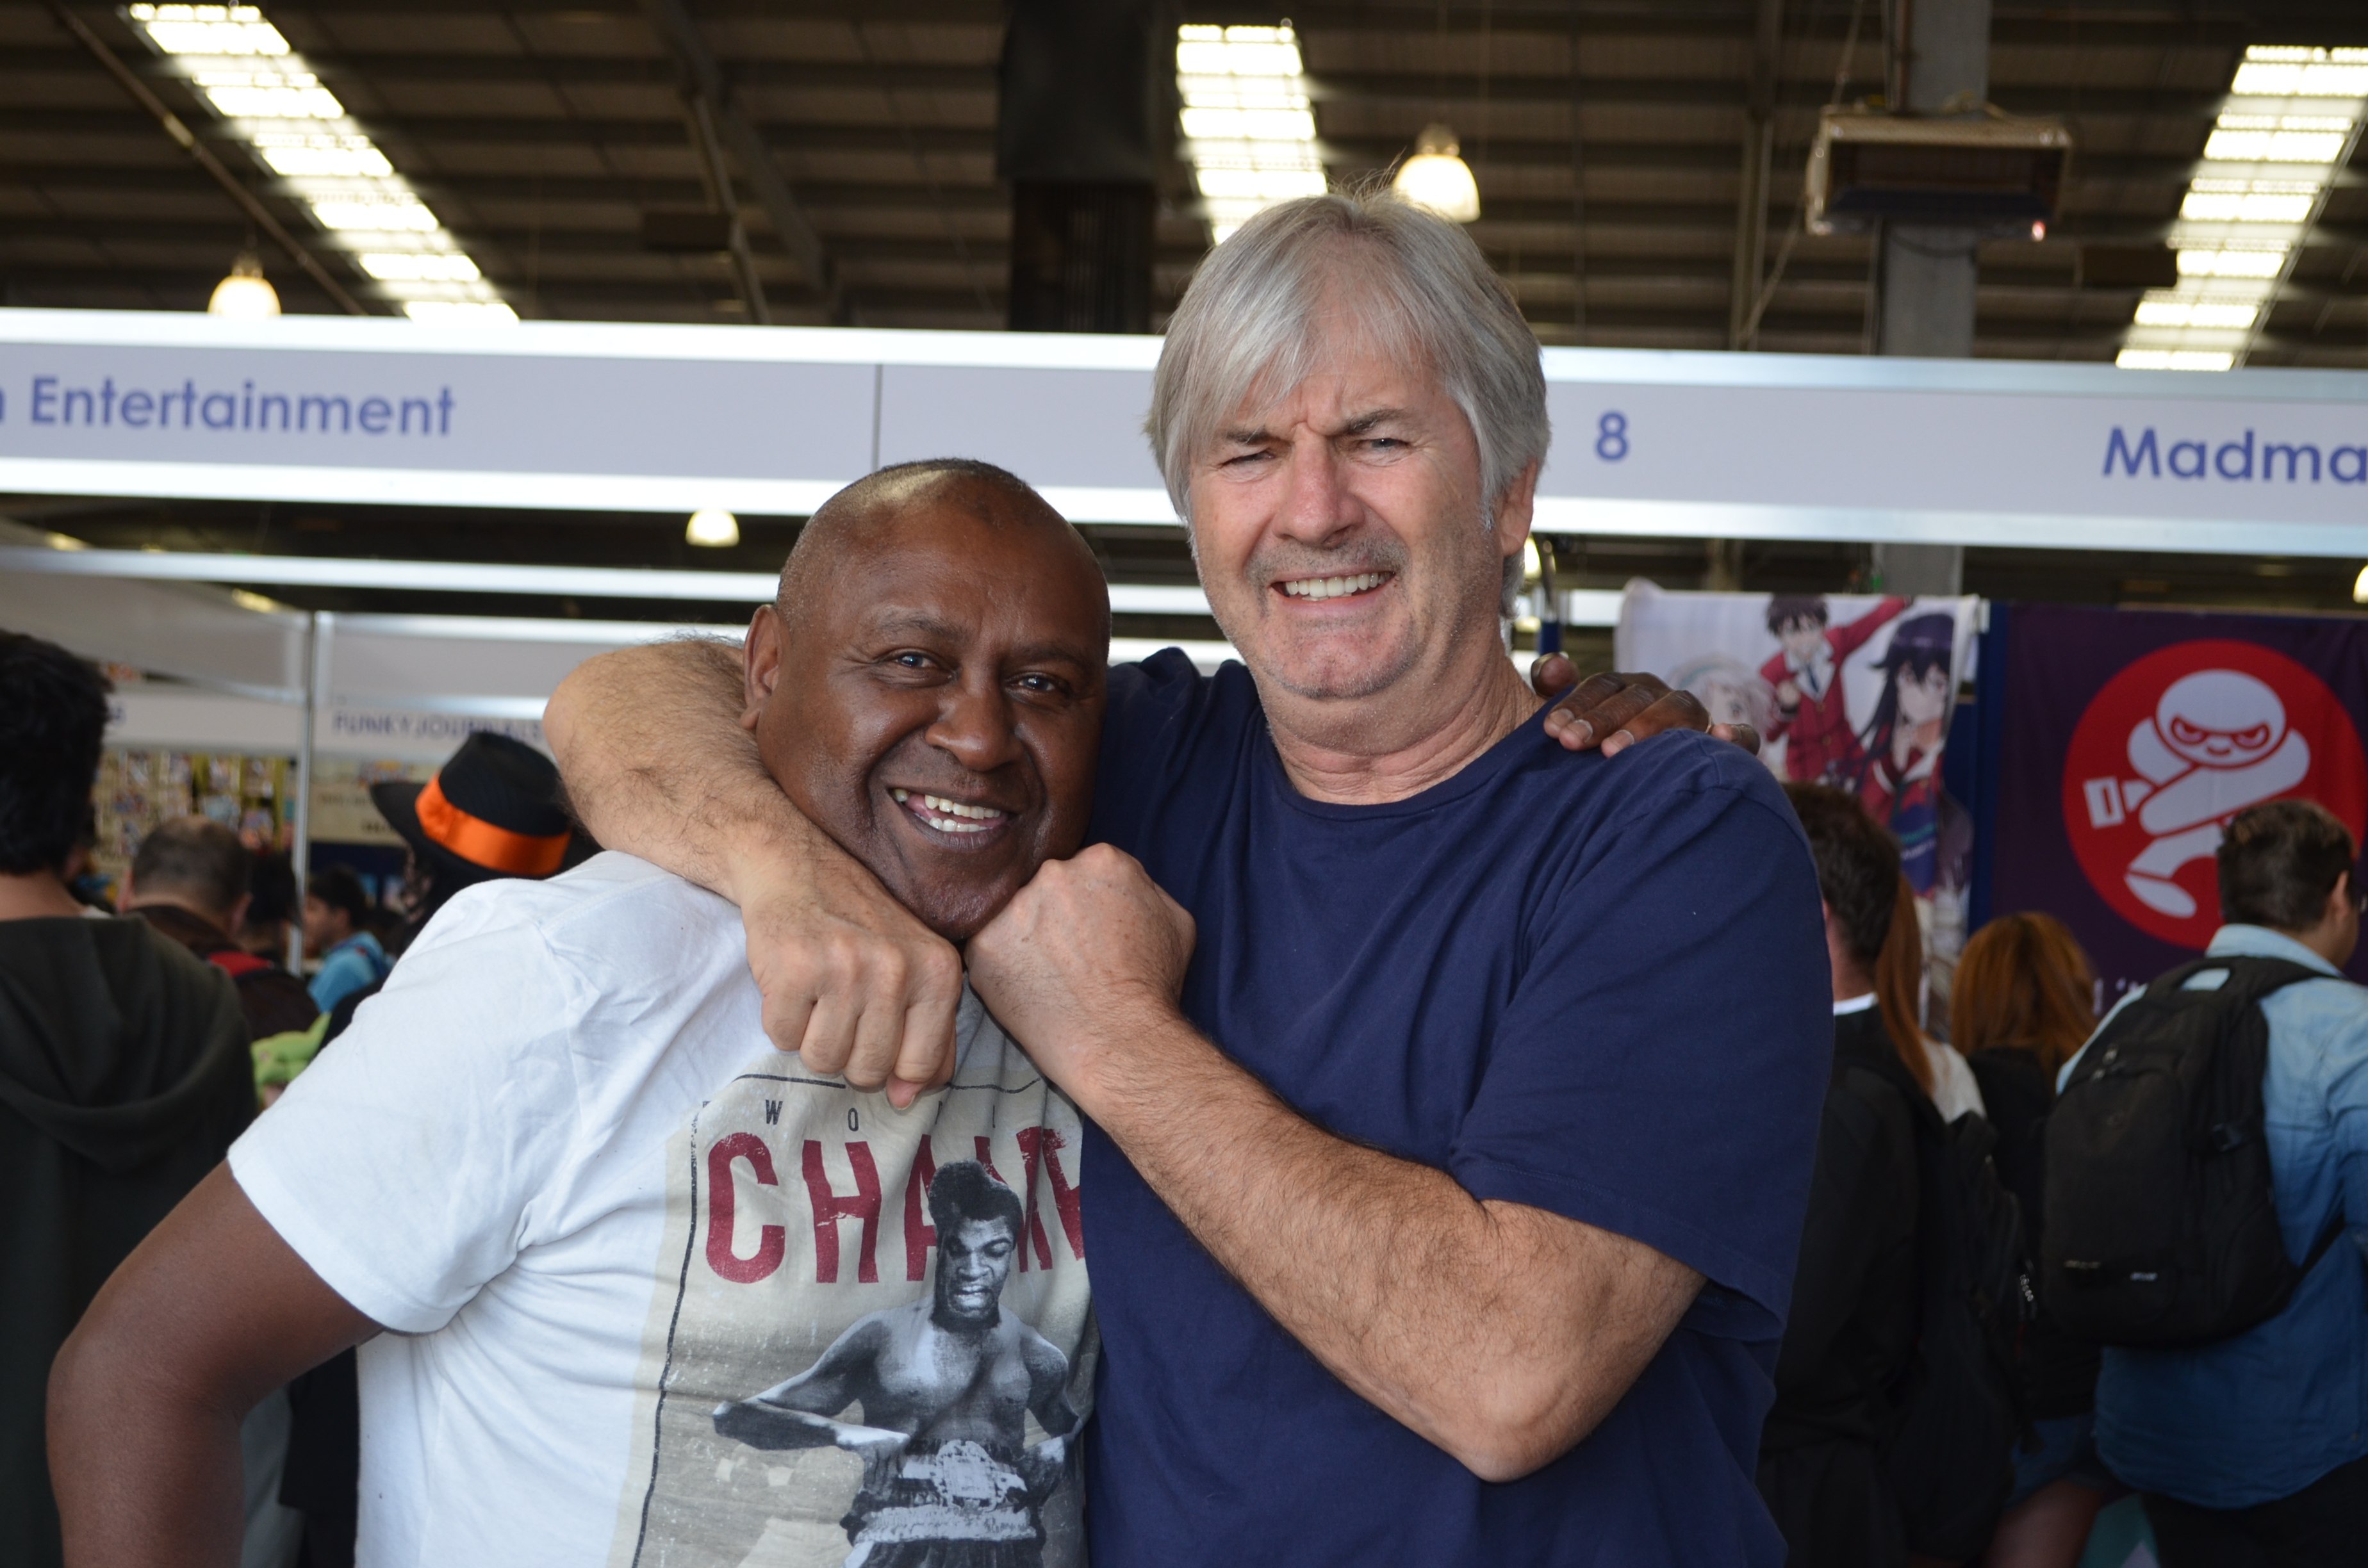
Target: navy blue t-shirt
(1594, 987)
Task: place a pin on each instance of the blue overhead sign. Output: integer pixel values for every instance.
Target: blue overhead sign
(613, 416)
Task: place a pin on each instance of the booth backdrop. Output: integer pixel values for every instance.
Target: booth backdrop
(2126, 741)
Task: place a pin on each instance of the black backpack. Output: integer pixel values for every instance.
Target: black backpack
(2162, 1228)
(1957, 1413)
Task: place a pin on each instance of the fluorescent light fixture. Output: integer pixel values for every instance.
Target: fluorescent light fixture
(418, 267)
(210, 29)
(338, 156)
(2291, 121)
(2174, 359)
(243, 68)
(373, 214)
(2231, 263)
(259, 95)
(1249, 128)
(459, 309)
(2173, 312)
(2360, 587)
(711, 527)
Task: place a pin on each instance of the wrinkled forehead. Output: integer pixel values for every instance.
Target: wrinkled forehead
(951, 559)
(1356, 345)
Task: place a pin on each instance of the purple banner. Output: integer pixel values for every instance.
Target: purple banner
(2132, 736)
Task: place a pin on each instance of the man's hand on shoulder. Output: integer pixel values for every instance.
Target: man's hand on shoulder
(1089, 945)
(1616, 710)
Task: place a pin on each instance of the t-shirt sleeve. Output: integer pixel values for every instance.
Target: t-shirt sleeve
(1658, 1069)
(403, 1165)
(1152, 712)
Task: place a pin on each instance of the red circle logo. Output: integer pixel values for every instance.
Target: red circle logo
(2175, 745)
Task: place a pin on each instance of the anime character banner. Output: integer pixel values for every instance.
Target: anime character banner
(2133, 737)
(1854, 690)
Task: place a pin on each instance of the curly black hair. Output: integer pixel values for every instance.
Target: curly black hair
(965, 1190)
(52, 720)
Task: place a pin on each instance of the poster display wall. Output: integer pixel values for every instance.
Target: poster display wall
(2133, 737)
(1855, 690)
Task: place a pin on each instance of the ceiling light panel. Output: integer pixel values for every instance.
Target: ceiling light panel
(1250, 128)
(242, 67)
(2291, 121)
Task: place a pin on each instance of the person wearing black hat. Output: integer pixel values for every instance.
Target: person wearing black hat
(492, 810)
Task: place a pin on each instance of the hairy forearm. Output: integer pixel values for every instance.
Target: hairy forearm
(1500, 1332)
(658, 765)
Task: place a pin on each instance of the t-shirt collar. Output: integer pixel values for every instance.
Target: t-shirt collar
(2261, 942)
(1855, 1004)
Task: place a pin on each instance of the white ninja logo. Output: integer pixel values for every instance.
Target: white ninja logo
(2217, 742)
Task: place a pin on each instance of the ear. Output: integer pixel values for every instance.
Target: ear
(2338, 899)
(125, 892)
(234, 918)
(1515, 509)
(760, 663)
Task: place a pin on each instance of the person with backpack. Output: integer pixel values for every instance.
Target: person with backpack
(1894, 1411)
(2021, 1006)
(336, 927)
(2207, 1202)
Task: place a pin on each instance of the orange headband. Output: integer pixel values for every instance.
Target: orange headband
(480, 843)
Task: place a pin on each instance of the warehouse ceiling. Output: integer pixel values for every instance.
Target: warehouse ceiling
(1607, 140)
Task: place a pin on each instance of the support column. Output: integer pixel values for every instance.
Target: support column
(317, 633)
(1939, 64)
(1078, 140)
(1759, 148)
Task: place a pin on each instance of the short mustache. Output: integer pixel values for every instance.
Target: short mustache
(1289, 563)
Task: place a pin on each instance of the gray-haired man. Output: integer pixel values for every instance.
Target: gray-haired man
(1444, 1205)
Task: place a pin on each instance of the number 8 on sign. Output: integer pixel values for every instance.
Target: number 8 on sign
(1612, 437)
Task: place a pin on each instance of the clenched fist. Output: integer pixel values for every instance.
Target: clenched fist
(1090, 949)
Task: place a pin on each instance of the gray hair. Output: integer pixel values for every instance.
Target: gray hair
(1423, 290)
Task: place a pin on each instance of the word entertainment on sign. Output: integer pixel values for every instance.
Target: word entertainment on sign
(185, 407)
(2234, 459)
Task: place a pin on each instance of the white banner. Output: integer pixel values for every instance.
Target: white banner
(771, 420)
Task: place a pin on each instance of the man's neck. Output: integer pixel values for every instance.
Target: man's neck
(1370, 751)
(181, 902)
(35, 895)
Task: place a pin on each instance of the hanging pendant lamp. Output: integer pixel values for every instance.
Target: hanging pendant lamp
(1437, 178)
(245, 293)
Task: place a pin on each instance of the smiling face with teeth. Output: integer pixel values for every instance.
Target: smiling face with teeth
(1348, 550)
(929, 689)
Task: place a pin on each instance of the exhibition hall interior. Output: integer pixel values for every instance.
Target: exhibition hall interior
(1961, 406)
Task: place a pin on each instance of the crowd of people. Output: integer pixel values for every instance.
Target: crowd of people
(1445, 1206)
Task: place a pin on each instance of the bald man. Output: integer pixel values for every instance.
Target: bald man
(559, 1157)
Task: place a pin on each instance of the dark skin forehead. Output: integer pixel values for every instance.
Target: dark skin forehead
(874, 517)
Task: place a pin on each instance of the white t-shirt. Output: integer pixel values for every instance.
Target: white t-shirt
(559, 1159)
